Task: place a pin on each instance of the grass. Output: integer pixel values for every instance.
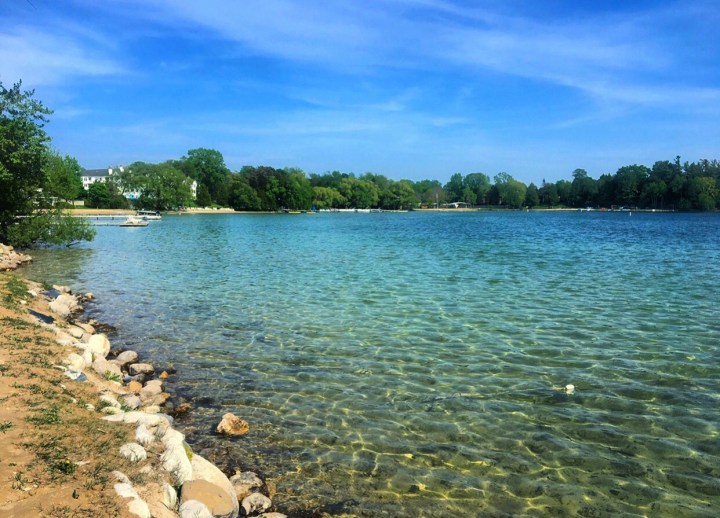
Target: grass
(15, 291)
(5, 426)
(112, 376)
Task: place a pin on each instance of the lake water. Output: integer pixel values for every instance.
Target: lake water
(411, 364)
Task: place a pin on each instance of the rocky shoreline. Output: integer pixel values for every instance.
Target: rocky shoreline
(177, 481)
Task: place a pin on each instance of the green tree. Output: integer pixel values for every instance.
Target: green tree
(583, 189)
(454, 188)
(242, 196)
(511, 192)
(162, 186)
(207, 166)
(479, 183)
(203, 198)
(532, 196)
(62, 177)
(328, 198)
(26, 217)
(98, 196)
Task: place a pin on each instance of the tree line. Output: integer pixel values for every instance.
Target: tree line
(669, 185)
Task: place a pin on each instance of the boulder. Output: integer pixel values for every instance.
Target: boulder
(110, 400)
(232, 425)
(75, 362)
(105, 368)
(135, 387)
(75, 332)
(131, 401)
(133, 452)
(99, 345)
(214, 497)
(126, 358)
(148, 392)
(194, 509)
(256, 503)
(139, 508)
(87, 328)
(209, 472)
(245, 483)
(143, 435)
(140, 368)
(175, 460)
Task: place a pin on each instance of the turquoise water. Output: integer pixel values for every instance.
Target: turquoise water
(410, 364)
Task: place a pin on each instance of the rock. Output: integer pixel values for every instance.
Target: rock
(133, 452)
(214, 497)
(155, 383)
(152, 409)
(111, 410)
(121, 477)
(183, 408)
(89, 296)
(194, 509)
(136, 417)
(175, 459)
(143, 435)
(232, 425)
(126, 358)
(139, 508)
(244, 483)
(140, 368)
(64, 305)
(75, 362)
(125, 490)
(110, 400)
(75, 375)
(106, 369)
(75, 332)
(273, 515)
(256, 502)
(163, 375)
(169, 496)
(87, 328)
(148, 392)
(131, 401)
(99, 345)
(135, 387)
(206, 470)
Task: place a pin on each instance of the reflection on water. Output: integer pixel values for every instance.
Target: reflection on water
(412, 364)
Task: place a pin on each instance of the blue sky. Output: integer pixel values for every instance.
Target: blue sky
(406, 88)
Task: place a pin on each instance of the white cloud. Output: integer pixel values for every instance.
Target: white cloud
(40, 57)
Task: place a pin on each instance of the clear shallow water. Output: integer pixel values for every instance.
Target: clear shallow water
(407, 364)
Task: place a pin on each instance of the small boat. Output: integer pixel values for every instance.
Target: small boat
(148, 214)
(134, 221)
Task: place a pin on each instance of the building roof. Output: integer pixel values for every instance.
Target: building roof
(98, 173)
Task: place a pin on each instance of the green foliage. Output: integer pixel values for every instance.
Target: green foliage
(511, 192)
(207, 166)
(163, 186)
(63, 177)
(5, 426)
(203, 198)
(23, 153)
(52, 227)
(98, 196)
(532, 196)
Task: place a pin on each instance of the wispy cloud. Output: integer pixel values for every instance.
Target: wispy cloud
(40, 57)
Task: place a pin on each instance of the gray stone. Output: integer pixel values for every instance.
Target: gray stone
(126, 358)
(256, 502)
(131, 401)
(140, 368)
(244, 483)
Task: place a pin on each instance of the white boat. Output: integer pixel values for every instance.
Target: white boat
(148, 214)
(134, 221)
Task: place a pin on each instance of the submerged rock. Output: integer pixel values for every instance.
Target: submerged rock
(256, 502)
(232, 425)
(244, 484)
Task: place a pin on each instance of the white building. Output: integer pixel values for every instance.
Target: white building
(90, 176)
